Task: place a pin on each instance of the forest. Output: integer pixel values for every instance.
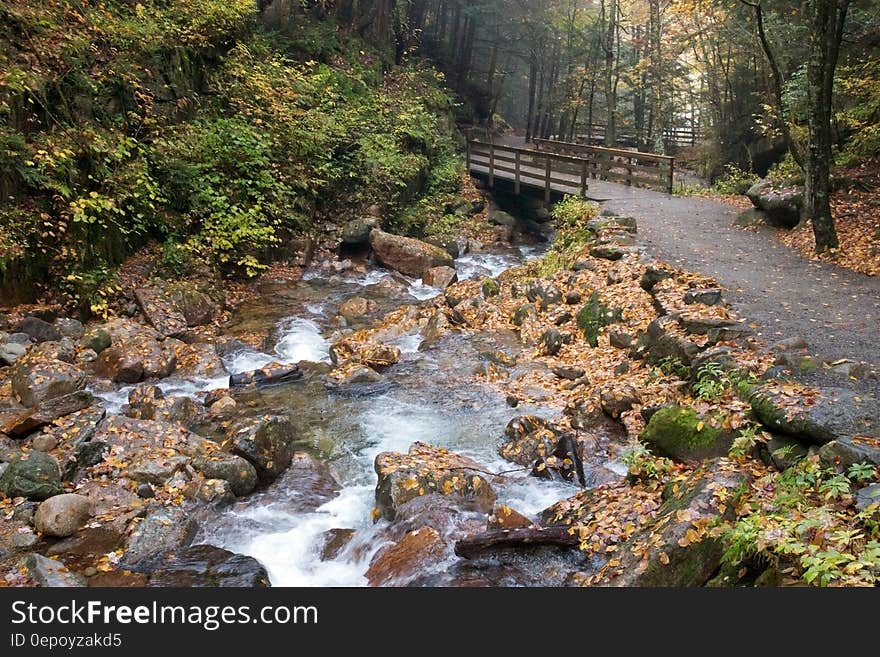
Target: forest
(439, 293)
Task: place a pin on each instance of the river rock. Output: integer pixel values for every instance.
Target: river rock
(162, 530)
(356, 308)
(503, 517)
(34, 475)
(38, 330)
(271, 374)
(426, 469)
(204, 565)
(664, 340)
(417, 552)
(528, 438)
(543, 294)
(48, 573)
(618, 399)
(551, 342)
(267, 443)
(675, 548)
(135, 354)
(160, 313)
(241, 474)
(96, 339)
(35, 379)
(782, 206)
(682, 435)
(440, 277)
(501, 218)
(46, 413)
(357, 231)
(409, 256)
(335, 541)
(568, 373)
(11, 352)
(376, 356)
(62, 515)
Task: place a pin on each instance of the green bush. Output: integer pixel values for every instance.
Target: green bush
(735, 181)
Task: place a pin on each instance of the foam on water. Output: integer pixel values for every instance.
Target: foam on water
(302, 340)
(473, 264)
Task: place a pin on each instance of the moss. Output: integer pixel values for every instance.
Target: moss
(491, 288)
(680, 434)
(593, 316)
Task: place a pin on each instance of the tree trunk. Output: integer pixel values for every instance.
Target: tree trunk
(609, 11)
(533, 83)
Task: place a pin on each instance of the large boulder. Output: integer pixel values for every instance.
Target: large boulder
(48, 573)
(163, 530)
(34, 475)
(682, 435)
(36, 379)
(160, 313)
(267, 443)
(62, 515)
(39, 330)
(205, 565)
(409, 256)
(781, 205)
(241, 475)
(397, 564)
(440, 277)
(426, 469)
(135, 354)
(357, 231)
(46, 413)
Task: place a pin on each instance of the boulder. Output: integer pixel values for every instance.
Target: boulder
(199, 307)
(34, 475)
(271, 374)
(69, 328)
(241, 474)
(38, 330)
(35, 380)
(135, 360)
(96, 339)
(501, 218)
(426, 469)
(543, 294)
(46, 413)
(335, 541)
(665, 340)
(409, 256)
(204, 566)
(62, 515)
(707, 296)
(377, 356)
(267, 443)
(356, 308)
(357, 231)
(551, 342)
(503, 517)
(49, 573)
(162, 530)
(416, 553)
(782, 206)
(844, 452)
(11, 352)
(618, 399)
(440, 277)
(160, 312)
(528, 438)
(682, 435)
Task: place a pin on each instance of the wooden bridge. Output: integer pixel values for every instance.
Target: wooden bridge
(566, 168)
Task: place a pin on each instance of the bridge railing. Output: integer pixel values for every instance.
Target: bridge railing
(544, 170)
(617, 164)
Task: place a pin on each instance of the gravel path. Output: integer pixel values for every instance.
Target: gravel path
(784, 294)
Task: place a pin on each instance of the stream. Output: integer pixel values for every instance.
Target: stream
(426, 397)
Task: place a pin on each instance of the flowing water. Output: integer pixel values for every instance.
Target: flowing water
(427, 397)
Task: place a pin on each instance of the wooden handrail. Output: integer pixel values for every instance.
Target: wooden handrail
(622, 152)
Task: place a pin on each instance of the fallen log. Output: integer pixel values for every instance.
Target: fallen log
(474, 546)
(273, 373)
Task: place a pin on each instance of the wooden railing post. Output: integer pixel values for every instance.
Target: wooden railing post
(492, 165)
(547, 185)
(584, 179)
(516, 183)
(468, 160)
(671, 175)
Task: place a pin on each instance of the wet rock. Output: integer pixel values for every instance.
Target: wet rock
(199, 306)
(241, 474)
(88, 543)
(199, 360)
(551, 342)
(376, 356)
(434, 329)
(417, 552)
(781, 206)
(205, 565)
(35, 380)
(212, 492)
(33, 475)
(38, 330)
(832, 414)
(528, 438)
(138, 358)
(224, 407)
(409, 256)
(617, 400)
(676, 548)
(357, 231)
(707, 297)
(162, 530)
(543, 294)
(568, 373)
(356, 308)
(682, 435)
(354, 374)
(155, 471)
(424, 470)
(267, 443)
(11, 352)
(620, 339)
(96, 339)
(115, 579)
(583, 413)
(503, 517)
(46, 413)
(501, 218)
(335, 541)
(160, 312)
(867, 496)
(271, 374)
(47, 573)
(440, 277)
(62, 515)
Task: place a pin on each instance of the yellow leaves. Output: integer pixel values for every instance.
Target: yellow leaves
(690, 537)
(664, 558)
(700, 425)
(375, 515)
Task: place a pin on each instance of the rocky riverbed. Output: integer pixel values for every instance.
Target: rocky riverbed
(461, 413)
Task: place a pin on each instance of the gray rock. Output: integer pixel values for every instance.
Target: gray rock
(11, 352)
(19, 338)
(69, 328)
(867, 496)
(33, 475)
(161, 312)
(611, 252)
(47, 412)
(35, 380)
(38, 330)
(268, 443)
(357, 231)
(524, 313)
(162, 530)
(49, 573)
(707, 297)
(241, 475)
(569, 373)
(214, 492)
(782, 206)
(62, 515)
(653, 275)
(661, 342)
(96, 339)
(43, 443)
(501, 218)
(205, 565)
(551, 342)
(155, 471)
(543, 294)
(620, 339)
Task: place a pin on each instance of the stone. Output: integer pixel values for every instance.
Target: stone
(43, 443)
(91, 542)
(87, 356)
(240, 473)
(490, 288)
(568, 373)
(617, 400)
(409, 256)
(205, 566)
(843, 453)
(356, 308)
(426, 469)
(33, 475)
(69, 328)
(573, 298)
(212, 492)
(551, 342)
(199, 307)
(653, 275)
(782, 206)
(48, 573)
(62, 515)
(503, 517)
(335, 541)
(620, 339)
(223, 407)
(38, 330)
(867, 496)
(707, 297)
(35, 380)
(377, 356)
(47, 412)
(611, 252)
(271, 374)
(145, 491)
(416, 552)
(96, 339)
(160, 312)
(595, 315)
(162, 530)
(682, 435)
(501, 218)
(356, 374)
(543, 294)
(697, 325)
(267, 443)
(524, 313)
(528, 438)
(156, 471)
(357, 231)
(665, 341)
(11, 352)
(440, 277)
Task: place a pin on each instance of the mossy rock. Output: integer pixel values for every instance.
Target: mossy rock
(595, 315)
(682, 435)
(491, 288)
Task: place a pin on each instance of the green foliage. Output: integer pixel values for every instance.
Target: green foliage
(571, 215)
(861, 473)
(642, 464)
(735, 181)
(593, 316)
(745, 442)
(713, 381)
(673, 366)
